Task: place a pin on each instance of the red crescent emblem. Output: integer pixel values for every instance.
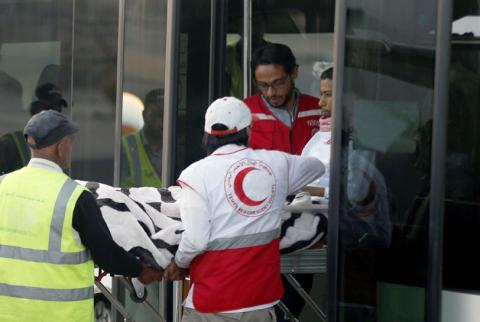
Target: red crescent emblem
(238, 188)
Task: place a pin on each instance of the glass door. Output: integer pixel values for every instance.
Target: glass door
(460, 300)
(383, 131)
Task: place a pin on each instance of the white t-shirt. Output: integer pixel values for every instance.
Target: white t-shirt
(319, 147)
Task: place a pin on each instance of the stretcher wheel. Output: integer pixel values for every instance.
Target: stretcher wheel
(137, 299)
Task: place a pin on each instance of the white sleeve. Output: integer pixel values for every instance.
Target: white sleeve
(196, 222)
(302, 171)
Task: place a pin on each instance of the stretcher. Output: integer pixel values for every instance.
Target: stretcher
(137, 294)
(301, 262)
(308, 261)
(304, 262)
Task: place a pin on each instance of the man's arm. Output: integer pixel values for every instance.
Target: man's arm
(196, 221)
(94, 234)
(315, 191)
(302, 171)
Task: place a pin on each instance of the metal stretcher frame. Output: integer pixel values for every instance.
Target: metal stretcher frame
(303, 262)
(120, 307)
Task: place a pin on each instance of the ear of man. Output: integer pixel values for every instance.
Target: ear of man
(63, 150)
(294, 74)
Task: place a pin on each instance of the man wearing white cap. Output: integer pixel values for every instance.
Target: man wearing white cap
(230, 208)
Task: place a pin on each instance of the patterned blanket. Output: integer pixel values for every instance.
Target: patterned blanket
(146, 221)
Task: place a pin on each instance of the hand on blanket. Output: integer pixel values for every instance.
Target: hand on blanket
(149, 275)
(174, 273)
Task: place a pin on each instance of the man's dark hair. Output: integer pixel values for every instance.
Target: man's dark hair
(213, 142)
(155, 97)
(327, 74)
(274, 54)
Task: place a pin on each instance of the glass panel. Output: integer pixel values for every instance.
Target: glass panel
(462, 193)
(142, 110)
(94, 89)
(35, 69)
(193, 82)
(142, 114)
(387, 100)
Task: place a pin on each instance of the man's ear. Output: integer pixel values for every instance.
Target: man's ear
(295, 72)
(59, 148)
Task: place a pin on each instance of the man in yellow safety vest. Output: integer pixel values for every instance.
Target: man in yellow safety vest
(51, 231)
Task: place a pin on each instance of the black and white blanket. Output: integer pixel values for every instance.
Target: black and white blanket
(146, 221)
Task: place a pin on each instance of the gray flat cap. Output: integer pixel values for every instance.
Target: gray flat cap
(48, 127)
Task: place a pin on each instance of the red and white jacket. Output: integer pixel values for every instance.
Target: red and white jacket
(231, 211)
(268, 132)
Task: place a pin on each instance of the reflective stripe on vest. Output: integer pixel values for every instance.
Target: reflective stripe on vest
(43, 256)
(134, 160)
(244, 241)
(141, 170)
(262, 116)
(309, 113)
(46, 294)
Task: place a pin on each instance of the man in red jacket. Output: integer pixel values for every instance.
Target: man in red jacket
(283, 118)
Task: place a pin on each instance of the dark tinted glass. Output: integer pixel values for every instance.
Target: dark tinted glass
(387, 104)
(193, 82)
(462, 192)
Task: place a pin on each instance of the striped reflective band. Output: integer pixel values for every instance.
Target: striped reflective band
(53, 255)
(244, 241)
(133, 151)
(43, 256)
(261, 116)
(56, 227)
(310, 113)
(46, 294)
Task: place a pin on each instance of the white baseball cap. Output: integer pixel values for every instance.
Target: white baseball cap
(228, 111)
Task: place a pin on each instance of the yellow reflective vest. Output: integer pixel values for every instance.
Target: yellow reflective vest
(141, 171)
(46, 274)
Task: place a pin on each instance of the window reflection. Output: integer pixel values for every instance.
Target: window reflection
(34, 67)
(387, 101)
(94, 89)
(141, 157)
(142, 115)
(462, 164)
(14, 151)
